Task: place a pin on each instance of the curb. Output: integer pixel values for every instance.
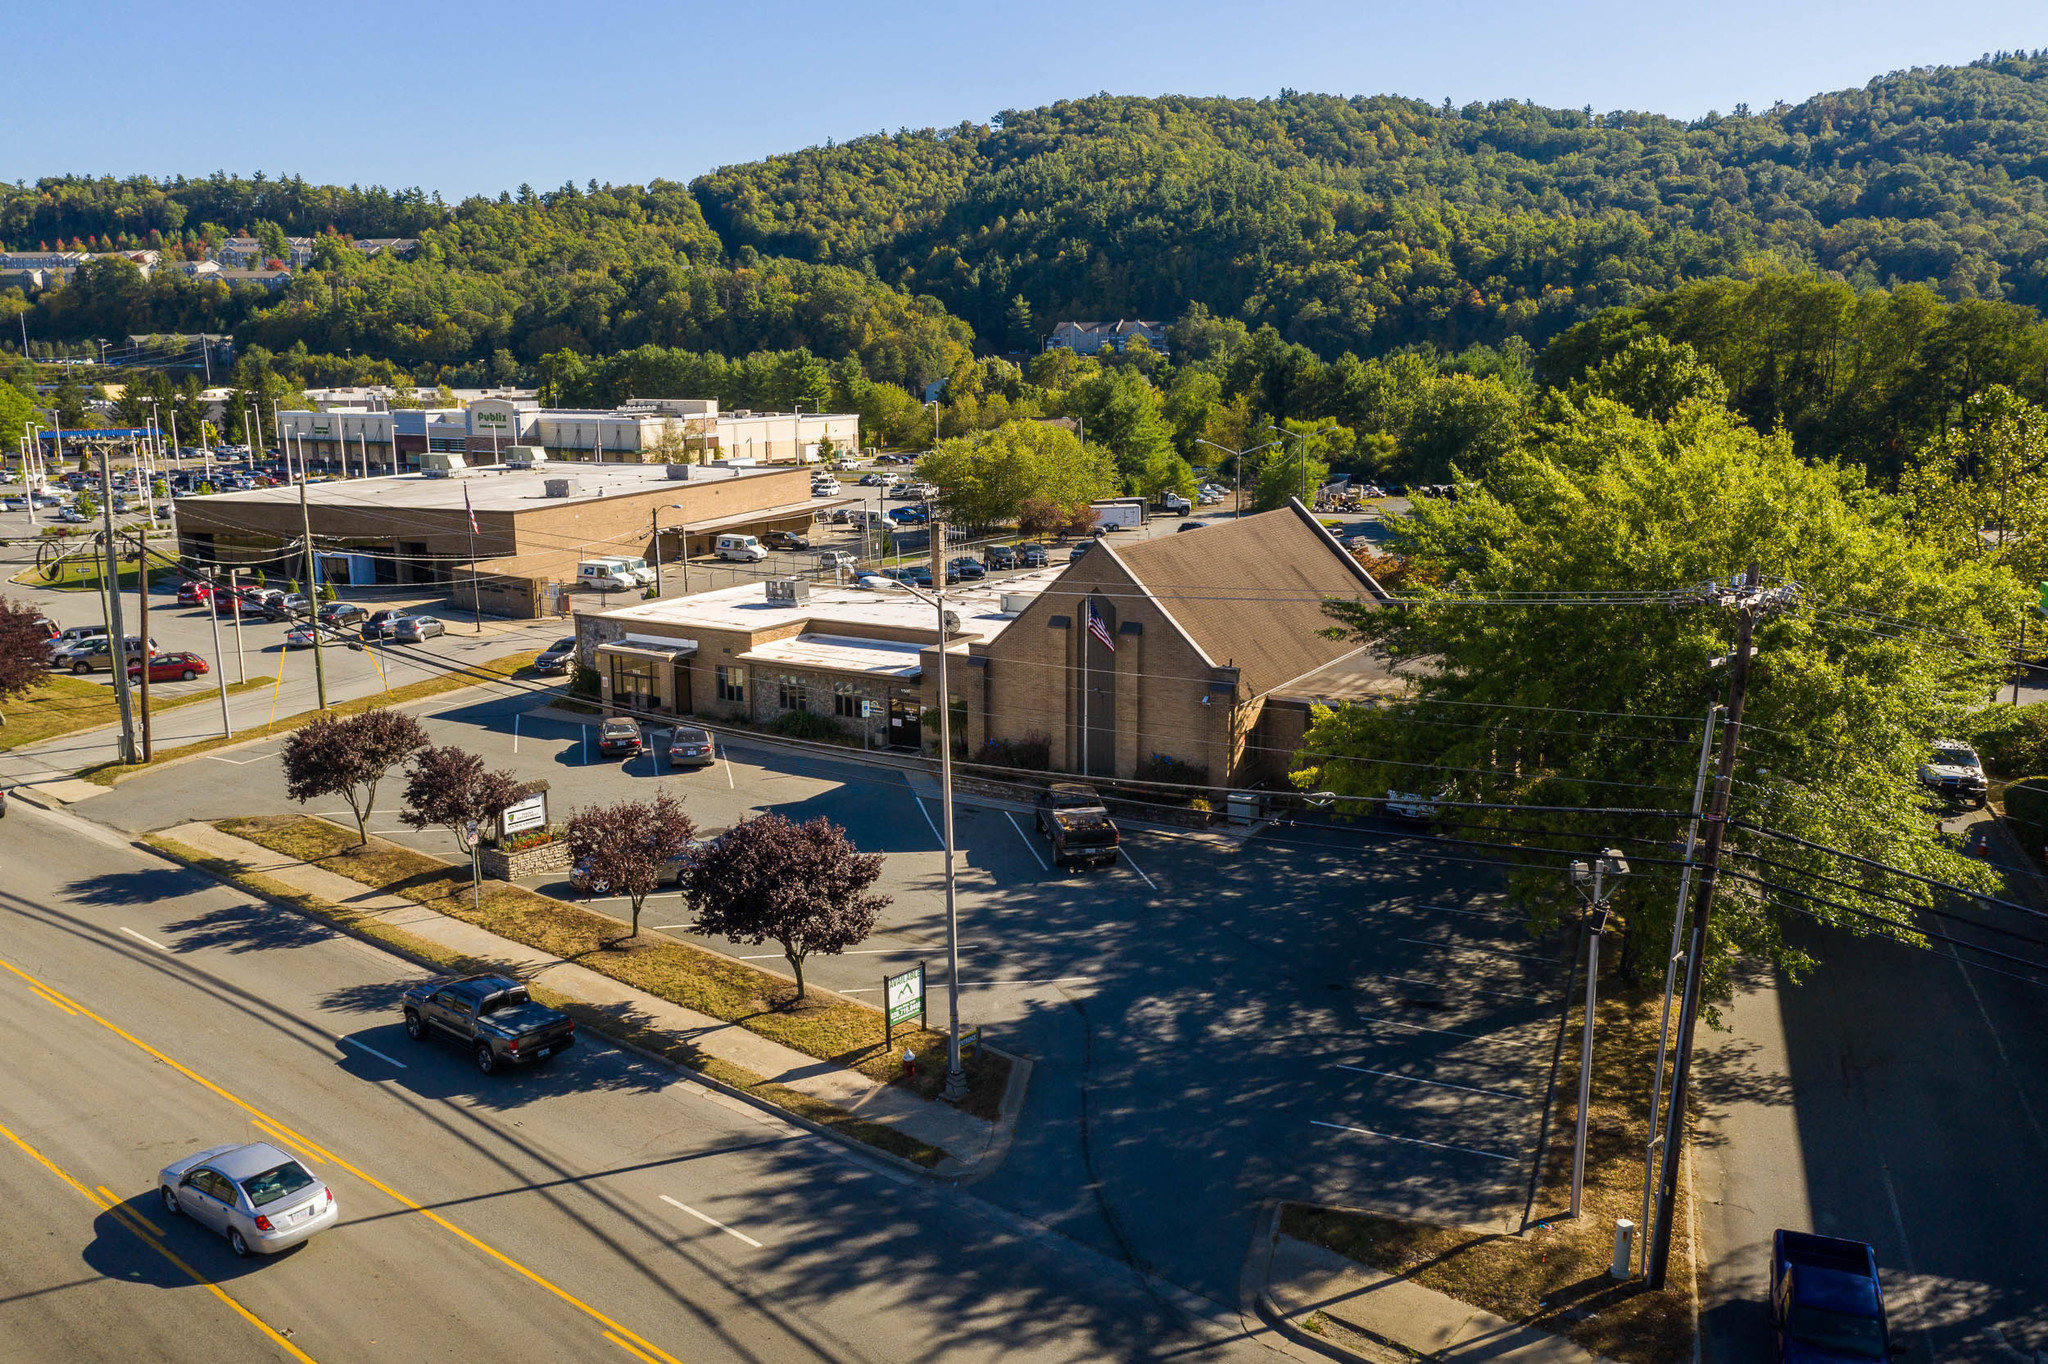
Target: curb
(1006, 1124)
(1254, 1286)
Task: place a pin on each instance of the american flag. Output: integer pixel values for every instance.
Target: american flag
(471, 510)
(1099, 630)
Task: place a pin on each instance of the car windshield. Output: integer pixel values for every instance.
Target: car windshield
(562, 645)
(1837, 1333)
(273, 1184)
(1954, 755)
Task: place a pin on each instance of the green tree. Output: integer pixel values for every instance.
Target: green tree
(1982, 491)
(988, 477)
(1123, 412)
(1652, 376)
(1556, 706)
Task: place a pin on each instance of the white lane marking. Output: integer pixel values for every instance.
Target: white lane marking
(1418, 1080)
(151, 941)
(1417, 1027)
(515, 731)
(865, 952)
(1029, 846)
(1474, 989)
(1126, 860)
(586, 745)
(238, 762)
(863, 990)
(726, 758)
(711, 1221)
(1473, 947)
(1412, 1141)
(365, 1046)
(1052, 980)
(1998, 1043)
(928, 820)
(1469, 913)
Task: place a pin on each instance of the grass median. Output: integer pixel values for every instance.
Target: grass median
(827, 1026)
(511, 665)
(618, 1026)
(66, 705)
(1554, 1275)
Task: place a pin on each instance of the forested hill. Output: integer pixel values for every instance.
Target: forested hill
(1369, 223)
(1362, 225)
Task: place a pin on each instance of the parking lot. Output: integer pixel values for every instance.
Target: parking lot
(1337, 1013)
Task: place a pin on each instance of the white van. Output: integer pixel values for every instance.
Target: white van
(741, 548)
(604, 576)
(632, 566)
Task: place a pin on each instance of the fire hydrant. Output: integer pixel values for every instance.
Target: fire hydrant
(909, 1062)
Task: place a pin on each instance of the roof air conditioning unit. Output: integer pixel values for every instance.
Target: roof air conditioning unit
(525, 457)
(562, 487)
(789, 591)
(678, 472)
(1013, 603)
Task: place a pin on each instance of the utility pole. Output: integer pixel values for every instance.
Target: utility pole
(220, 671)
(117, 642)
(235, 602)
(1608, 863)
(312, 598)
(142, 595)
(1751, 599)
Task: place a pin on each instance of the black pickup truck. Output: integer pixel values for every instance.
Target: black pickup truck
(492, 1016)
(1073, 819)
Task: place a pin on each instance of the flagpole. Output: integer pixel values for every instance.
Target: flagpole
(1088, 607)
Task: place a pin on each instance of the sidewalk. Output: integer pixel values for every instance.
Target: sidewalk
(1298, 1281)
(968, 1141)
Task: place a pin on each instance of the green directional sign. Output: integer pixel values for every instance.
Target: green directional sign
(2041, 604)
(902, 1000)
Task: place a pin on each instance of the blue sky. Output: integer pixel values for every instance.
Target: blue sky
(476, 98)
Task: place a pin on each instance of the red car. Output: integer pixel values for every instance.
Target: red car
(194, 593)
(171, 668)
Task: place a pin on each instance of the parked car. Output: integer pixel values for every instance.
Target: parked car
(417, 629)
(873, 480)
(1000, 556)
(299, 637)
(295, 603)
(1954, 772)
(72, 635)
(1073, 819)
(1032, 556)
(833, 560)
(619, 737)
(382, 624)
(258, 1197)
(690, 748)
(909, 516)
(1078, 552)
(194, 592)
(1175, 504)
(824, 487)
(966, 568)
(96, 652)
(1189, 525)
(337, 614)
(557, 657)
(786, 539)
(71, 516)
(173, 667)
(1827, 1302)
(492, 1016)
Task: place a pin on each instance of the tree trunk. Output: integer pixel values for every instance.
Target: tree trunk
(796, 964)
(636, 915)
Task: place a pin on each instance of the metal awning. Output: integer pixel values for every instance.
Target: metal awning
(651, 646)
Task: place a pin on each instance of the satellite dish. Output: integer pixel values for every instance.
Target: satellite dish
(952, 622)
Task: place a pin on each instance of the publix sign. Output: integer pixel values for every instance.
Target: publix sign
(490, 419)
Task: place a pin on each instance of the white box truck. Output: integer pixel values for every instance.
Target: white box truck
(1119, 513)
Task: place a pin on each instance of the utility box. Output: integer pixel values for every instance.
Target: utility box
(789, 591)
(1245, 807)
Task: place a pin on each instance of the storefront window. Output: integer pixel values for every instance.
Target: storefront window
(732, 683)
(846, 700)
(792, 692)
(632, 676)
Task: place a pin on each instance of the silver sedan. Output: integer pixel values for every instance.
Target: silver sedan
(413, 629)
(257, 1196)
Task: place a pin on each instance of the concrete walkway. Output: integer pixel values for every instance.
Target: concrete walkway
(967, 1140)
(1301, 1280)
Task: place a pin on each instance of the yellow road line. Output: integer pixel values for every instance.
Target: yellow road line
(267, 1130)
(629, 1348)
(53, 1001)
(120, 1207)
(294, 1135)
(160, 1248)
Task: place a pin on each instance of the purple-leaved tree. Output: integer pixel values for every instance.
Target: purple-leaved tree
(625, 847)
(347, 755)
(450, 787)
(24, 650)
(804, 887)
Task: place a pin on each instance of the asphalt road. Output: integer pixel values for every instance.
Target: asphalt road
(1312, 1013)
(548, 1214)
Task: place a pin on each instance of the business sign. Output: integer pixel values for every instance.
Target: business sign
(530, 813)
(486, 417)
(902, 1000)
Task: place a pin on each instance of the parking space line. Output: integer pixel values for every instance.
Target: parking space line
(1418, 1080)
(712, 1221)
(1050, 980)
(1417, 1027)
(1437, 984)
(151, 941)
(1126, 860)
(1029, 846)
(1468, 913)
(928, 819)
(727, 760)
(365, 1046)
(1412, 1141)
(1471, 947)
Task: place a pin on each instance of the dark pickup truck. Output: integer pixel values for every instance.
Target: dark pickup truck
(492, 1016)
(1827, 1305)
(1073, 819)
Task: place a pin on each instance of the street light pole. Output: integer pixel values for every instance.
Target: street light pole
(1301, 452)
(1236, 469)
(654, 518)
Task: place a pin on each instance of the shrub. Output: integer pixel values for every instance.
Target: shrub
(1172, 771)
(584, 681)
(804, 724)
(2011, 739)
(327, 591)
(2026, 809)
(1033, 753)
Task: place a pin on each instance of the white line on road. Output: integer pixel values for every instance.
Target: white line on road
(1417, 1027)
(365, 1046)
(928, 819)
(712, 1221)
(238, 762)
(151, 941)
(1053, 980)
(1412, 1141)
(1469, 913)
(586, 745)
(864, 952)
(1472, 947)
(1029, 846)
(1418, 1080)
(515, 731)
(1437, 984)
(1126, 860)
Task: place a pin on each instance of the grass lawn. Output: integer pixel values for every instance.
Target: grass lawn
(606, 1022)
(824, 1025)
(80, 573)
(65, 705)
(106, 774)
(1554, 1277)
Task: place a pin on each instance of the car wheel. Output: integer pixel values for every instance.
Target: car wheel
(170, 1198)
(486, 1059)
(236, 1243)
(187, 675)
(81, 668)
(415, 1026)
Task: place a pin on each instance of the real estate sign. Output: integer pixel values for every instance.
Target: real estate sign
(902, 1000)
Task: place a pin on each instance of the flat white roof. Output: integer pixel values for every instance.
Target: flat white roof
(978, 605)
(490, 487)
(840, 653)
